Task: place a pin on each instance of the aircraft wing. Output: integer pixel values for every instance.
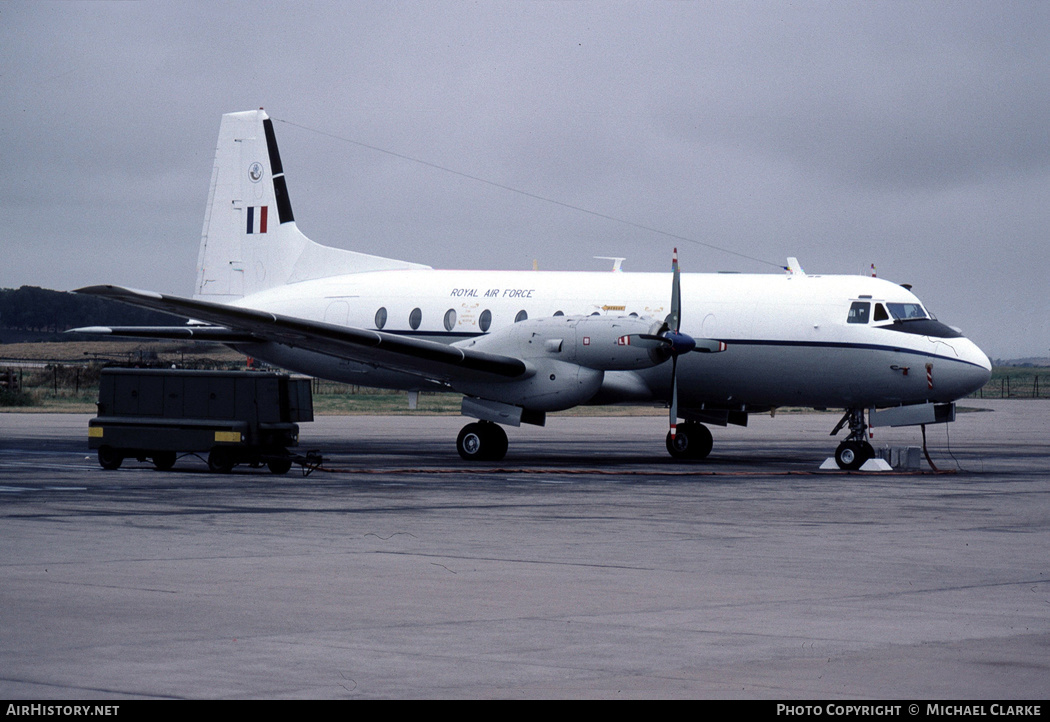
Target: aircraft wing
(188, 333)
(428, 359)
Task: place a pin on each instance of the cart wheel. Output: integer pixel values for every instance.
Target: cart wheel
(279, 466)
(221, 461)
(109, 458)
(164, 460)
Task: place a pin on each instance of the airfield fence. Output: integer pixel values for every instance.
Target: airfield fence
(1016, 382)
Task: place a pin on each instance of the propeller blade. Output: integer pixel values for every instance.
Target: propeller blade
(674, 343)
(644, 340)
(679, 342)
(674, 321)
(674, 395)
(709, 345)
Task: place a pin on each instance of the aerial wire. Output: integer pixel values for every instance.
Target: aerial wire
(528, 194)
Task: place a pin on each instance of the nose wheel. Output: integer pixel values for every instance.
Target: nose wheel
(482, 441)
(851, 455)
(855, 450)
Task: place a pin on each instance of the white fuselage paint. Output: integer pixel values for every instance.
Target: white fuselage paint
(788, 339)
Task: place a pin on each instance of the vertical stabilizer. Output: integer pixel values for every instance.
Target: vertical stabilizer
(250, 241)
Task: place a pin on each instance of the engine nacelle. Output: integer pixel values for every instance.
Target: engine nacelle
(553, 385)
(594, 342)
(567, 357)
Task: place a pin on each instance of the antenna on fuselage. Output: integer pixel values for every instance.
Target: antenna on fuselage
(617, 262)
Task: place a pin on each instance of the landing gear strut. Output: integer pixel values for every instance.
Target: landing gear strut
(692, 441)
(482, 441)
(855, 450)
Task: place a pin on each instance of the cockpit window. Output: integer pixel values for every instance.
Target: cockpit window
(906, 311)
(859, 312)
(880, 313)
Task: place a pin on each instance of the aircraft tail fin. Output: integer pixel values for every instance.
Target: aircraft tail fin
(250, 241)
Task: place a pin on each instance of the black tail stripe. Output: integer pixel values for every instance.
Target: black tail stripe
(271, 146)
(280, 187)
(284, 205)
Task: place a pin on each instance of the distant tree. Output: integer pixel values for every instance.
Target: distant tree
(31, 308)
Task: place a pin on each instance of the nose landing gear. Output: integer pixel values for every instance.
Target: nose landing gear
(855, 450)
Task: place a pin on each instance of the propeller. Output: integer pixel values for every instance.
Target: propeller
(670, 341)
(680, 342)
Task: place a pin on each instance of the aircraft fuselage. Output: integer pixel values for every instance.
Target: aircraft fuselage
(789, 338)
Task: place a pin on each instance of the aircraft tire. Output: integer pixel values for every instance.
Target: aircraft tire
(498, 442)
(851, 455)
(692, 442)
(109, 458)
(869, 450)
(482, 441)
(164, 460)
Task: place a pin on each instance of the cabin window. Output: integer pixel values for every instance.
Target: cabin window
(559, 313)
(485, 320)
(880, 313)
(381, 317)
(415, 318)
(859, 312)
(521, 316)
(450, 319)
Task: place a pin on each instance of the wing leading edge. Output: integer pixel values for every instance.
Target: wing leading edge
(428, 359)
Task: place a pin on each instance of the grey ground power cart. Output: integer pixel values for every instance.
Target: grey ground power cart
(236, 417)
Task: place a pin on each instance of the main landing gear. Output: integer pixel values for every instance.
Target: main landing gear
(486, 441)
(855, 450)
(692, 441)
(482, 441)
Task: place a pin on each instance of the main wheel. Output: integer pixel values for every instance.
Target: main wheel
(482, 441)
(692, 441)
(164, 460)
(851, 455)
(109, 458)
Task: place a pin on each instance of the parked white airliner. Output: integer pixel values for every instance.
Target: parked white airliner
(712, 347)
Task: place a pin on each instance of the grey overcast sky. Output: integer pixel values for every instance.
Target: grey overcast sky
(911, 135)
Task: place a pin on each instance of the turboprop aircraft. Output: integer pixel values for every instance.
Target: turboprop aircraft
(713, 348)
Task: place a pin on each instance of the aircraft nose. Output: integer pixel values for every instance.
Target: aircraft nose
(978, 366)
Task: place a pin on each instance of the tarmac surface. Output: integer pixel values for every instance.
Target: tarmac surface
(586, 564)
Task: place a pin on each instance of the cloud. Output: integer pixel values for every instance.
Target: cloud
(912, 135)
